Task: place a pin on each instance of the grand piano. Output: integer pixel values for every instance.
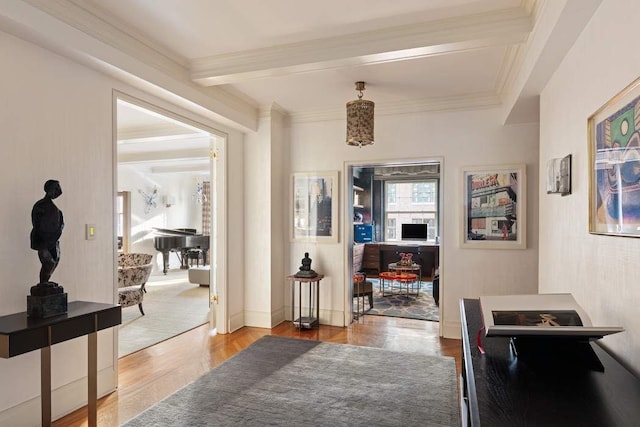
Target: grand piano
(180, 241)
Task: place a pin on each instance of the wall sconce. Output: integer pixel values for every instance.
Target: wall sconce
(360, 119)
(169, 201)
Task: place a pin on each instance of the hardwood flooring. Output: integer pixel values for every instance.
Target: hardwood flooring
(150, 375)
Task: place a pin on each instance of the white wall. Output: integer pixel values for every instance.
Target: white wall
(601, 271)
(460, 139)
(184, 213)
(278, 223)
(56, 122)
(265, 239)
(232, 274)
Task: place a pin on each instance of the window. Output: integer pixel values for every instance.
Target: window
(411, 202)
(391, 193)
(123, 206)
(391, 228)
(423, 192)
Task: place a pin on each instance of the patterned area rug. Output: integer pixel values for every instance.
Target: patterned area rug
(394, 304)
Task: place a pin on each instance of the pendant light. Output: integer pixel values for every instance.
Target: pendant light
(360, 120)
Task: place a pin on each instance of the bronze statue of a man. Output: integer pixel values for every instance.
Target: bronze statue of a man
(48, 222)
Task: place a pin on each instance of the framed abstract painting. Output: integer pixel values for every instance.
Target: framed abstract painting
(614, 165)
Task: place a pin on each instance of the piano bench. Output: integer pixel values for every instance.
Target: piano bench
(199, 275)
(194, 255)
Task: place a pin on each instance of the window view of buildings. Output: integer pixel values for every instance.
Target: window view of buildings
(411, 202)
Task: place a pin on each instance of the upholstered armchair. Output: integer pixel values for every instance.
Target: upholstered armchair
(133, 273)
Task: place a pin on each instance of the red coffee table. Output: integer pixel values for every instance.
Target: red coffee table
(402, 278)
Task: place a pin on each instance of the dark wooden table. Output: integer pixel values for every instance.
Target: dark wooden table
(20, 334)
(501, 390)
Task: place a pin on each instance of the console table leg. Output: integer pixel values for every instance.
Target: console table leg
(45, 385)
(92, 395)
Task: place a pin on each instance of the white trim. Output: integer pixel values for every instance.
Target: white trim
(43, 23)
(66, 399)
(449, 103)
(220, 243)
(347, 229)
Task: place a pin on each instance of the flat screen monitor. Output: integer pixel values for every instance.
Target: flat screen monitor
(415, 231)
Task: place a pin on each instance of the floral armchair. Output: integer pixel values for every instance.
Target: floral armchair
(133, 272)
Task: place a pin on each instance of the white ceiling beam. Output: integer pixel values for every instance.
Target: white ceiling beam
(156, 132)
(559, 25)
(201, 155)
(192, 168)
(392, 44)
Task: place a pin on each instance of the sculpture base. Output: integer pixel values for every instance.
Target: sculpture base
(307, 274)
(43, 306)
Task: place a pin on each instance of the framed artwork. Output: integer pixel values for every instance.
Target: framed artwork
(494, 207)
(614, 165)
(314, 207)
(559, 176)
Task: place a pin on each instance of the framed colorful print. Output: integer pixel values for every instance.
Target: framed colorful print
(314, 207)
(614, 165)
(494, 207)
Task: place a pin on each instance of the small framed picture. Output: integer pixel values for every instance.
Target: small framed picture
(494, 207)
(314, 207)
(559, 176)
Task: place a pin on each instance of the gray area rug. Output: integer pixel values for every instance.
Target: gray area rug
(280, 381)
(172, 306)
(394, 304)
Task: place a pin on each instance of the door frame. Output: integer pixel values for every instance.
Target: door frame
(347, 230)
(218, 239)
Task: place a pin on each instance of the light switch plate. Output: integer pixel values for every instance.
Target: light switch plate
(90, 231)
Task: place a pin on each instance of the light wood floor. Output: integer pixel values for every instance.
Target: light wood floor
(152, 374)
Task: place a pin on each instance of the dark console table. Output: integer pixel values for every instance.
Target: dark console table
(20, 334)
(501, 390)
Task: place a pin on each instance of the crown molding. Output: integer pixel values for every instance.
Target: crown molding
(86, 36)
(266, 111)
(101, 25)
(515, 55)
(452, 103)
(392, 44)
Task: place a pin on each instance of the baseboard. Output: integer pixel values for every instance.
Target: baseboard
(257, 319)
(327, 317)
(277, 317)
(65, 399)
(452, 330)
(236, 321)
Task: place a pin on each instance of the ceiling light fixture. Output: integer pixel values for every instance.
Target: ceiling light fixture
(360, 120)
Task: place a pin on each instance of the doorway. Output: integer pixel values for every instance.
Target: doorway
(394, 228)
(167, 179)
